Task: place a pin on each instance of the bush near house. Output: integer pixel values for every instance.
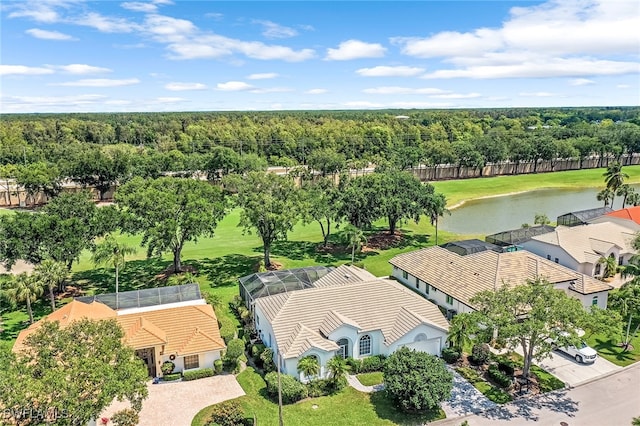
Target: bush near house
(292, 390)
(171, 377)
(197, 374)
(501, 379)
(480, 353)
(126, 417)
(217, 366)
(372, 363)
(167, 367)
(228, 413)
(355, 365)
(450, 355)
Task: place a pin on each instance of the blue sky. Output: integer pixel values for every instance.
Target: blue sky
(163, 55)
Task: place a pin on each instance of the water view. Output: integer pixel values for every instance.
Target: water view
(490, 215)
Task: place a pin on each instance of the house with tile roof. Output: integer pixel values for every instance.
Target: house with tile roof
(628, 217)
(582, 247)
(348, 313)
(185, 333)
(451, 280)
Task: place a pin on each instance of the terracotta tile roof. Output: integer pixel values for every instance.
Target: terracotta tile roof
(183, 330)
(462, 277)
(630, 213)
(186, 329)
(298, 318)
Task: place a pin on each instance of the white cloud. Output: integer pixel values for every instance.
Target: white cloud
(169, 100)
(106, 24)
(214, 15)
(49, 35)
(39, 11)
(165, 2)
(394, 90)
(272, 90)
(355, 49)
(538, 41)
(80, 69)
(623, 86)
(581, 82)
(262, 76)
(537, 94)
(233, 86)
(382, 71)
(167, 29)
(118, 102)
(316, 91)
(39, 101)
(130, 46)
(137, 6)
(23, 70)
(273, 30)
(99, 82)
(176, 86)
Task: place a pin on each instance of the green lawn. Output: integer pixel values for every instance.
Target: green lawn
(458, 191)
(371, 379)
(610, 350)
(349, 407)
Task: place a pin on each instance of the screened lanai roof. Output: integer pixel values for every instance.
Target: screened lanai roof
(147, 297)
(517, 236)
(583, 216)
(268, 283)
(465, 247)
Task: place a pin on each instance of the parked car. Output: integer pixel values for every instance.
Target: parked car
(583, 354)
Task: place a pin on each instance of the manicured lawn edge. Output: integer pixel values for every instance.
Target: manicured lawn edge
(611, 351)
(370, 379)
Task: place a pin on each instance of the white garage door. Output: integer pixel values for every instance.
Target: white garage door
(430, 346)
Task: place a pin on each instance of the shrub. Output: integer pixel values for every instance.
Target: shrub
(267, 359)
(171, 377)
(235, 349)
(292, 389)
(227, 333)
(450, 355)
(506, 366)
(372, 363)
(217, 366)
(469, 373)
(319, 387)
(257, 349)
(480, 353)
(228, 413)
(197, 374)
(167, 367)
(499, 377)
(126, 417)
(355, 365)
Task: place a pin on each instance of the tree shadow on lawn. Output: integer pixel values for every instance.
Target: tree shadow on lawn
(609, 348)
(385, 410)
(136, 275)
(11, 327)
(523, 408)
(224, 271)
(300, 250)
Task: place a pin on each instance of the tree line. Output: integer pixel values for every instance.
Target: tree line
(100, 149)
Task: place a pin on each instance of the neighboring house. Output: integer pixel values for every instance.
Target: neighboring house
(513, 239)
(629, 217)
(185, 332)
(350, 313)
(582, 217)
(465, 247)
(451, 280)
(581, 248)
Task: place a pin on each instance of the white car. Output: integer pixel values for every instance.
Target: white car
(584, 354)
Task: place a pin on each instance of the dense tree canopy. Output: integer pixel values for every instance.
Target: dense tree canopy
(70, 375)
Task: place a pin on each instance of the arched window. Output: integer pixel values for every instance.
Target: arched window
(343, 350)
(365, 345)
(420, 337)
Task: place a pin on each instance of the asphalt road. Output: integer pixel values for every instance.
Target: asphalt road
(608, 401)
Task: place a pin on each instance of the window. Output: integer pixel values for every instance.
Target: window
(191, 361)
(426, 288)
(449, 300)
(597, 271)
(343, 350)
(417, 283)
(556, 260)
(594, 301)
(620, 260)
(548, 257)
(405, 275)
(365, 345)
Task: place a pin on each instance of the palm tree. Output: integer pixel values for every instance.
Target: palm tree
(338, 368)
(610, 266)
(614, 178)
(633, 199)
(626, 300)
(541, 219)
(437, 208)
(50, 274)
(354, 237)
(24, 288)
(605, 195)
(309, 366)
(461, 328)
(625, 191)
(111, 252)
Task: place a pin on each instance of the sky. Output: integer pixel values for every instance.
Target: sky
(170, 55)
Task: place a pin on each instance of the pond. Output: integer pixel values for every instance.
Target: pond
(490, 215)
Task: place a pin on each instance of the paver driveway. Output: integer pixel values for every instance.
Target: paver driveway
(573, 373)
(176, 404)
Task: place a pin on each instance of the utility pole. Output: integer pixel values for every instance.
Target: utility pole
(281, 423)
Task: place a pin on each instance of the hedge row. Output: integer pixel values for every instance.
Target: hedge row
(499, 377)
(197, 374)
(171, 377)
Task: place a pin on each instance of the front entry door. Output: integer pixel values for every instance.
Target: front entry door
(148, 356)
